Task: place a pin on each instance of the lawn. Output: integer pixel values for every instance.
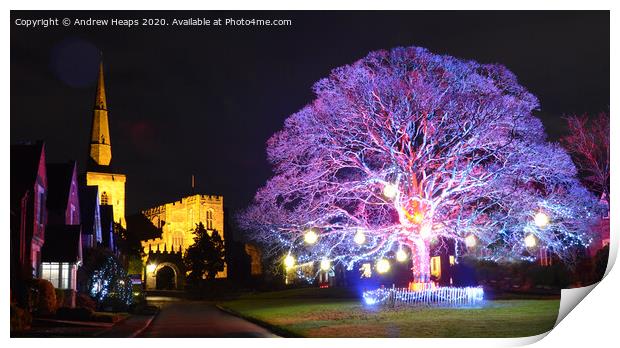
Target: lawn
(314, 313)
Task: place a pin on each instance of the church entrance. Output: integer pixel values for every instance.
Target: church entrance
(166, 279)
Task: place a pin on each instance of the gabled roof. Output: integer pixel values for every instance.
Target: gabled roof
(62, 244)
(59, 177)
(24, 167)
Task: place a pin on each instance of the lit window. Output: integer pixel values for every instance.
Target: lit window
(436, 266)
(209, 219)
(51, 272)
(105, 198)
(64, 276)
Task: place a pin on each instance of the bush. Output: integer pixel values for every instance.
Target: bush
(20, 319)
(85, 301)
(79, 314)
(43, 298)
(60, 298)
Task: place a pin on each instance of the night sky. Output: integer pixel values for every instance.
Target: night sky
(204, 100)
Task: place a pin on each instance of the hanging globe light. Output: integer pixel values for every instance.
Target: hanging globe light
(326, 264)
(310, 237)
(541, 219)
(530, 241)
(289, 261)
(383, 266)
(359, 237)
(470, 241)
(390, 190)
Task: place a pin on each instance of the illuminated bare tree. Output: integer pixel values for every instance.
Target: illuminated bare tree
(588, 142)
(405, 148)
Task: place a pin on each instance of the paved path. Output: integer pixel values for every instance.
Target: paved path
(183, 318)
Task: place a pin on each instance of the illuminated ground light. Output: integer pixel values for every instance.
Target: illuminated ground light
(430, 295)
(383, 266)
(311, 237)
(530, 241)
(541, 219)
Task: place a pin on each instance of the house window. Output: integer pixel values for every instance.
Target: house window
(105, 199)
(51, 272)
(59, 274)
(64, 276)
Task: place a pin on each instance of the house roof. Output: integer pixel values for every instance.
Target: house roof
(62, 244)
(24, 167)
(59, 176)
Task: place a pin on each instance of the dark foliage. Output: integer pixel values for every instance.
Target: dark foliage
(204, 258)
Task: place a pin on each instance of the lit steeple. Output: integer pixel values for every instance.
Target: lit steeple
(100, 147)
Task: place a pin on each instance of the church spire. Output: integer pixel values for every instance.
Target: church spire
(100, 148)
(100, 102)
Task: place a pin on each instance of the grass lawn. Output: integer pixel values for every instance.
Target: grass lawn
(314, 313)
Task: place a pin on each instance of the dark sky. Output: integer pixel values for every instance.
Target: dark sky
(204, 100)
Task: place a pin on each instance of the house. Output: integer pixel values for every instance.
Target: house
(63, 203)
(61, 257)
(90, 216)
(62, 251)
(28, 211)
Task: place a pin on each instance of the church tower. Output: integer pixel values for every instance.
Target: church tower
(100, 173)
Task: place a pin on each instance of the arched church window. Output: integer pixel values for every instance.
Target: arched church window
(105, 199)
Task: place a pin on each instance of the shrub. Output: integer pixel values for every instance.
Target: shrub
(20, 319)
(79, 314)
(43, 297)
(85, 301)
(60, 298)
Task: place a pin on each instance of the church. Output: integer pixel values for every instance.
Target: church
(100, 173)
(163, 266)
(177, 221)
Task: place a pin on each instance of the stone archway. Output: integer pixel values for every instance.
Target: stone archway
(165, 278)
(166, 275)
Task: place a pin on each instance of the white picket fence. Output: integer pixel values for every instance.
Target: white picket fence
(426, 295)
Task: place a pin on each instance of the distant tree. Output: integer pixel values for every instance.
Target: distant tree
(206, 256)
(588, 144)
